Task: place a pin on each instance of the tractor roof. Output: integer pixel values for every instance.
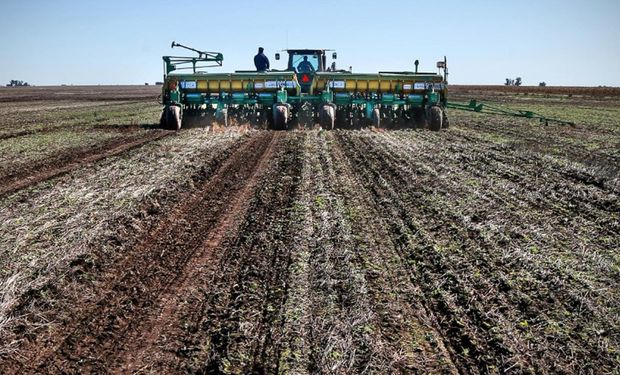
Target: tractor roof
(306, 50)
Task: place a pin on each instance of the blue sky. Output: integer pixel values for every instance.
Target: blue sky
(570, 42)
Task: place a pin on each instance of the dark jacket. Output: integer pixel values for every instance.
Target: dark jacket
(261, 62)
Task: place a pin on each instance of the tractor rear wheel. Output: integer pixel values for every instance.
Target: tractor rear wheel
(171, 118)
(221, 117)
(327, 116)
(446, 122)
(376, 118)
(435, 118)
(280, 116)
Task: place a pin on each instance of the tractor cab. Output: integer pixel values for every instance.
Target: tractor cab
(305, 63)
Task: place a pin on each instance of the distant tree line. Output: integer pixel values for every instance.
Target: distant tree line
(518, 82)
(17, 83)
(513, 82)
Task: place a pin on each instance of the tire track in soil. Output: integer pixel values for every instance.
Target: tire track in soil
(74, 128)
(22, 133)
(155, 325)
(133, 286)
(74, 159)
(44, 305)
(239, 325)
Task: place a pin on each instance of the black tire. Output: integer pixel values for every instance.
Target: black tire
(280, 117)
(435, 118)
(162, 119)
(376, 118)
(171, 118)
(190, 118)
(222, 117)
(446, 122)
(327, 116)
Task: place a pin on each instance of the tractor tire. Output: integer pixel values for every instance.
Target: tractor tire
(280, 117)
(222, 117)
(193, 118)
(162, 119)
(200, 119)
(327, 116)
(446, 123)
(376, 118)
(435, 118)
(171, 118)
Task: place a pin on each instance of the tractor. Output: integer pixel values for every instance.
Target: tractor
(306, 93)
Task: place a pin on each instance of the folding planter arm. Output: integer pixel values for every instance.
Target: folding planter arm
(172, 63)
(474, 106)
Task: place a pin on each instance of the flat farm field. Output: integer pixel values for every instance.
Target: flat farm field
(489, 247)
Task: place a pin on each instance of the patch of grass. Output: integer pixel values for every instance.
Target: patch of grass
(83, 115)
(23, 152)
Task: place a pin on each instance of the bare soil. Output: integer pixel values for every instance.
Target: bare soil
(78, 93)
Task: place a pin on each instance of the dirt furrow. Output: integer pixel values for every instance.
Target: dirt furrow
(138, 349)
(72, 160)
(22, 133)
(77, 128)
(129, 288)
(229, 319)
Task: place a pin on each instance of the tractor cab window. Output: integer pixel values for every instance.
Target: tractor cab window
(304, 63)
